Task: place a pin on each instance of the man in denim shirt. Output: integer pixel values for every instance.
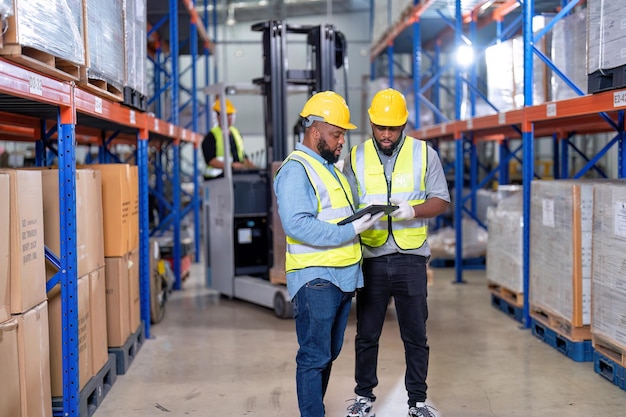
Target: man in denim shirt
(323, 258)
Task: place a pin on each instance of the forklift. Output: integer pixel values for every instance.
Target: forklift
(244, 241)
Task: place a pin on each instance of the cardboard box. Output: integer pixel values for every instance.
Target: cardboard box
(5, 289)
(117, 300)
(133, 291)
(27, 271)
(33, 350)
(10, 391)
(89, 223)
(116, 209)
(98, 316)
(56, 337)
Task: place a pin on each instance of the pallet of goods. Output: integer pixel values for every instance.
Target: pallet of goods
(608, 283)
(103, 73)
(606, 39)
(560, 263)
(46, 36)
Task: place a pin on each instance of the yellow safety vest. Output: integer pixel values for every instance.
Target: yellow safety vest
(211, 172)
(407, 183)
(334, 203)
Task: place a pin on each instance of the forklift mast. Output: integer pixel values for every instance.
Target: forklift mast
(327, 46)
(244, 238)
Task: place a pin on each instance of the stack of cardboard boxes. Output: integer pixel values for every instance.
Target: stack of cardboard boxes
(107, 239)
(24, 338)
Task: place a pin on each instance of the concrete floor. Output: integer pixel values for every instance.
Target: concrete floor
(212, 356)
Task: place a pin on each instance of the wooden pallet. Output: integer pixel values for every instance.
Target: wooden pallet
(513, 297)
(560, 325)
(610, 349)
(42, 62)
(100, 87)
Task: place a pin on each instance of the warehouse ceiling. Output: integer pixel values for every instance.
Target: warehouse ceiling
(433, 21)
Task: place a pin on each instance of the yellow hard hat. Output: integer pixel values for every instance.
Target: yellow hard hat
(230, 109)
(388, 108)
(328, 107)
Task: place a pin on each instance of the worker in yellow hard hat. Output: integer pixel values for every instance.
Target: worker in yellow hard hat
(213, 145)
(393, 168)
(323, 258)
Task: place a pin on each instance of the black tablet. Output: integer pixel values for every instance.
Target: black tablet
(373, 209)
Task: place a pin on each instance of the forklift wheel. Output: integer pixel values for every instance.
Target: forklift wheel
(282, 308)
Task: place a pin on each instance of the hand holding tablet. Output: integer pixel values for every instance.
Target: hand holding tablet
(372, 210)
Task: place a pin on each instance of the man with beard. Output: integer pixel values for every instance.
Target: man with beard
(404, 171)
(323, 258)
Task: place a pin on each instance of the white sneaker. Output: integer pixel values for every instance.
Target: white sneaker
(421, 411)
(360, 408)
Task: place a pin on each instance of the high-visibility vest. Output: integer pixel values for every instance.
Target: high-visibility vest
(334, 203)
(211, 172)
(408, 182)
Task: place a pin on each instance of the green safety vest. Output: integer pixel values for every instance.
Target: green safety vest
(407, 183)
(334, 203)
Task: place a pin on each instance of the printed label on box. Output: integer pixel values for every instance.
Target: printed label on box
(620, 218)
(548, 212)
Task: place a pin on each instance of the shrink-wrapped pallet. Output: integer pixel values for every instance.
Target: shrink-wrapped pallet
(104, 45)
(560, 250)
(608, 283)
(505, 244)
(135, 44)
(505, 74)
(606, 35)
(569, 49)
(46, 35)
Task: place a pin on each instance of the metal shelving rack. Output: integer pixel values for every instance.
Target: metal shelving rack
(76, 117)
(70, 116)
(561, 120)
(167, 72)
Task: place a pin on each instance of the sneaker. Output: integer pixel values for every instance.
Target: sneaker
(360, 408)
(421, 411)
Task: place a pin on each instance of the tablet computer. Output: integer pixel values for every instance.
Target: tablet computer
(373, 209)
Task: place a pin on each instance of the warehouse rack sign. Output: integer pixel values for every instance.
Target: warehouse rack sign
(35, 85)
(619, 98)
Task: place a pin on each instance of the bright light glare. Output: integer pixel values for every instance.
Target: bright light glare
(465, 55)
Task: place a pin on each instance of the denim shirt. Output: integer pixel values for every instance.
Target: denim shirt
(297, 208)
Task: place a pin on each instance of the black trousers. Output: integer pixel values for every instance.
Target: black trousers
(402, 277)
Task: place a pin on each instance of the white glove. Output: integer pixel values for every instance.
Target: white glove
(404, 211)
(363, 223)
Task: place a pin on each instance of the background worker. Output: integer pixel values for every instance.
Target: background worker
(323, 259)
(213, 145)
(397, 169)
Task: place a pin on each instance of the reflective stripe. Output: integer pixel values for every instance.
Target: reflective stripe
(211, 172)
(334, 203)
(372, 188)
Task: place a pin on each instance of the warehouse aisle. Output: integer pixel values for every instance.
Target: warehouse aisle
(215, 357)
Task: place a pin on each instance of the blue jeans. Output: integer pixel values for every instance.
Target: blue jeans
(402, 277)
(321, 312)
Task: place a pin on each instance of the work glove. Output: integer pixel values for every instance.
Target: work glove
(363, 223)
(404, 211)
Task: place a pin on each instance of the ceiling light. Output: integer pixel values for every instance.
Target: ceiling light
(230, 16)
(465, 55)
